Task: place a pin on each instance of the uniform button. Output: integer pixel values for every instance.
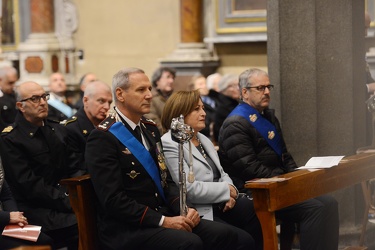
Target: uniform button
(156, 194)
(133, 163)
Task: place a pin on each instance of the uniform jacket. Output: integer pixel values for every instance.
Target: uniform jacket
(224, 106)
(79, 127)
(55, 114)
(34, 166)
(203, 192)
(245, 154)
(128, 199)
(8, 110)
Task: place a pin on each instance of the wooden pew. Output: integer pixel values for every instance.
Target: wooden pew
(82, 199)
(304, 184)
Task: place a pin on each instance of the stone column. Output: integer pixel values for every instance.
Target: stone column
(45, 50)
(192, 56)
(316, 61)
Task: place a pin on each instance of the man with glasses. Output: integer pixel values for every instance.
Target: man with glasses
(36, 156)
(251, 146)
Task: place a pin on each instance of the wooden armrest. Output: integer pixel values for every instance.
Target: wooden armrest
(82, 199)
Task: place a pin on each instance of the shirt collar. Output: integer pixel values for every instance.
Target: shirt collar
(127, 120)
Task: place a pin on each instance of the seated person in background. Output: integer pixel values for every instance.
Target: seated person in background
(212, 193)
(83, 82)
(209, 100)
(227, 100)
(212, 81)
(163, 86)
(8, 111)
(251, 146)
(97, 101)
(138, 202)
(36, 157)
(58, 108)
(9, 214)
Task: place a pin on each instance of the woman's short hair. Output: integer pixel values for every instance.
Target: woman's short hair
(179, 103)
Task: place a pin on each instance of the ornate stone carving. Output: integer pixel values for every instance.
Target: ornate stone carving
(66, 22)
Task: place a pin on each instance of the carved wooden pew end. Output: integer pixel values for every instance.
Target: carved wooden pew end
(82, 199)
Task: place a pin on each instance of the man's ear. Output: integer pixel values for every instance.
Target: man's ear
(119, 94)
(19, 106)
(85, 99)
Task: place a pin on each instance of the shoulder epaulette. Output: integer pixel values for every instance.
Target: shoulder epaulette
(148, 121)
(71, 119)
(7, 129)
(107, 123)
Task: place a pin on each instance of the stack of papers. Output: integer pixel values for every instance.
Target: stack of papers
(322, 162)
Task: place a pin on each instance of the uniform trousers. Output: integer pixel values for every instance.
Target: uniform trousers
(206, 235)
(319, 222)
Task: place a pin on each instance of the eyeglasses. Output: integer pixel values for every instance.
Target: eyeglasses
(36, 98)
(262, 87)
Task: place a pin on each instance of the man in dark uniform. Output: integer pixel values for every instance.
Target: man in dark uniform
(8, 78)
(97, 100)
(138, 202)
(36, 157)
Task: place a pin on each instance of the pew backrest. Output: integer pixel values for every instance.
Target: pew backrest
(82, 199)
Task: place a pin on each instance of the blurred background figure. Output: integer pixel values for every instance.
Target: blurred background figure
(162, 86)
(213, 81)
(208, 97)
(8, 79)
(227, 100)
(83, 82)
(58, 107)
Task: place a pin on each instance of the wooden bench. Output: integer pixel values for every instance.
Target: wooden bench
(82, 199)
(302, 185)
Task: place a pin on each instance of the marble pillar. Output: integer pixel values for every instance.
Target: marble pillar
(49, 48)
(316, 61)
(192, 56)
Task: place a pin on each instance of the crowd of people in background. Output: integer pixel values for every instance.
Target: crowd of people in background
(131, 156)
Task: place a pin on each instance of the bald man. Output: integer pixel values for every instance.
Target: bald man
(96, 101)
(36, 156)
(59, 108)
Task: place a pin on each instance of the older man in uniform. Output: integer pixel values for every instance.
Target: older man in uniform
(138, 202)
(97, 100)
(36, 157)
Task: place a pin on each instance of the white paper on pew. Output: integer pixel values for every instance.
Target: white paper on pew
(322, 162)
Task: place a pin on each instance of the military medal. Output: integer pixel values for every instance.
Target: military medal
(271, 135)
(162, 165)
(133, 174)
(253, 117)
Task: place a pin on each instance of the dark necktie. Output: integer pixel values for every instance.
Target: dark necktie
(137, 131)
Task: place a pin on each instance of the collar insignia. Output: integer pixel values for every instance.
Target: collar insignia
(7, 129)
